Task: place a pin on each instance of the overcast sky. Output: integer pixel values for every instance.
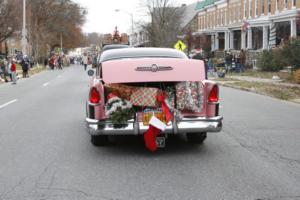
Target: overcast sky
(102, 17)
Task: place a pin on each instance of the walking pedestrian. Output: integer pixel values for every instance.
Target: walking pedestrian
(59, 62)
(52, 62)
(25, 66)
(14, 71)
(85, 61)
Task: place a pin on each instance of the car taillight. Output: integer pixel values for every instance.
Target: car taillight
(94, 95)
(213, 96)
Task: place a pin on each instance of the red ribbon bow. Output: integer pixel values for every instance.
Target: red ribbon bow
(161, 99)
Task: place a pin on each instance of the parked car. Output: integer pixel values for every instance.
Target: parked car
(192, 100)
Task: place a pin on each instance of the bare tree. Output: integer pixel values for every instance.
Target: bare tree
(94, 38)
(9, 18)
(165, 23)
(53, 20)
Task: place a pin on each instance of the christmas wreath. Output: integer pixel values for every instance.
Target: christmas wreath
(118, 110)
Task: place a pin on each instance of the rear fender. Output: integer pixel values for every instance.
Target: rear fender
(97, 110)
(211, 108)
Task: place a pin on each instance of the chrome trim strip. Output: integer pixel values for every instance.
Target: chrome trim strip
(154, 68)
(134, 127)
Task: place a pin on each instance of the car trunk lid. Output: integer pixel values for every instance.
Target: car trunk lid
(152, 70)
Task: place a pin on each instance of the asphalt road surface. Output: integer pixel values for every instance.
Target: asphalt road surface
(46, 154)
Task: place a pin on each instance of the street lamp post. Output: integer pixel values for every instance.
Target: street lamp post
(24, 28)
(24, 32)
(131, 15)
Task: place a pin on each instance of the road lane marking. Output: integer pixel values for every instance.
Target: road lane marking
(8, 103)
(45, 84)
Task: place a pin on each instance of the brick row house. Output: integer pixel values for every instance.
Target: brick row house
(247, 24)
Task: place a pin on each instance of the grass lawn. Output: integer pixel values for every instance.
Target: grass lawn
(277, 91)
(267, 75)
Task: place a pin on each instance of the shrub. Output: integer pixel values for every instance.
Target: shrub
(297, 76)
(271, 60)
(291, 52)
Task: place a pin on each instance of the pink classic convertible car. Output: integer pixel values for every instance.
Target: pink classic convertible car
(153, 92)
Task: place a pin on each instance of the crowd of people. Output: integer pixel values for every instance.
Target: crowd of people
(230, 63)
(8, 69)
(235, 62)
(56, 61)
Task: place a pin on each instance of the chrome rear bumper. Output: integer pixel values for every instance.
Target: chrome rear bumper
(185, 125)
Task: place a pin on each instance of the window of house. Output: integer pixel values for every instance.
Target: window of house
(199, 23)
(250, 8)
(239, 12)
(285, 3)
(294, 3)
(262, 6)
(256, 8)
(269, 6)
(217, 18)
(225, 17)
(245, 9)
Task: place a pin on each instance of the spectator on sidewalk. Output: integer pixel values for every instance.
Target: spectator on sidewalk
(9, 63)
(199, 56)
(228, 61)
(14, 71)
(3, 70)
(85, 60)
(59, 62)
(25, 66)
(237, 63)
(45, 62)
(242, 60)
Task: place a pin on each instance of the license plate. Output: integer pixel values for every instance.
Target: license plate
(161, 142)
(159, 115)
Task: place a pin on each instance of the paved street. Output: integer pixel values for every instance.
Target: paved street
(46, 154)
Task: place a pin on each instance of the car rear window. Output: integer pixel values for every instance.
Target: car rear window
(141, 53)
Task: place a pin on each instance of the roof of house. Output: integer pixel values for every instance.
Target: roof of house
(189, 13)
(204, 3)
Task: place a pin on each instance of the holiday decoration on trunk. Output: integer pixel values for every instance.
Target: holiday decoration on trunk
(155, 128)
(156, 125)
(171, 92)
(145, 97)
(118, 110)
(189, 96)
(148, 113)
(121, 90)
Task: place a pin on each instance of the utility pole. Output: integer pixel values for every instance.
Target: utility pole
(61, 43)
(24, 31)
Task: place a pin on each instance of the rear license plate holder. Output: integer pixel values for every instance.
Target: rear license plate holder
(161, 142)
